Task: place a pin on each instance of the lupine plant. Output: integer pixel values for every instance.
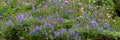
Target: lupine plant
(58, 20)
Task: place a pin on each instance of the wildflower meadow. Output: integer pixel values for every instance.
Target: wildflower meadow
(58, 20)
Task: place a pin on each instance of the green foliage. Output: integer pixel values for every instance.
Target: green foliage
(76, 14)
(68, 23)
(12, 33)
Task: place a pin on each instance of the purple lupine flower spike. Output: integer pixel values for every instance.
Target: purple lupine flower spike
(33, 7)
(32, 31)
(100, 29)
(20, 17)
(85, 14)
(62, 30)
(9, 22)
(110, 28)
(36, 28)
(56, 33)
(87, 27)
(40, 27)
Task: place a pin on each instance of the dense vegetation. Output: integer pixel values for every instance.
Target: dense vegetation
(58, 20)
(117, 7)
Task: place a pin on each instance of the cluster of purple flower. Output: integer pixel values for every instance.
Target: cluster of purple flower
(86, 19)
